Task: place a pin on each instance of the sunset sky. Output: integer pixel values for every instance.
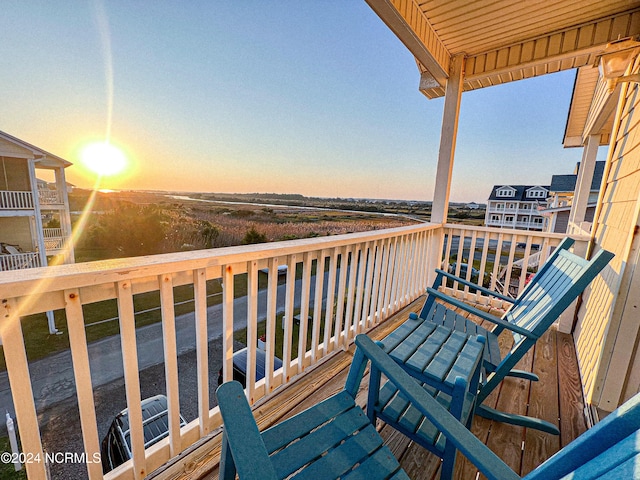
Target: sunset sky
(316, 98)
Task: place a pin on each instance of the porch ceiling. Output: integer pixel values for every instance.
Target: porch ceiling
(505, 40)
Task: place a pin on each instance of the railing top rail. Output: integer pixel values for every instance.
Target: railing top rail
(513, 231)
(41, 280)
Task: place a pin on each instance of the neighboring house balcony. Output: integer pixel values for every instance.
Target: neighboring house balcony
(502, 210)
(344, 284)
(23, 200)
(16, 200)
(50, 197)
(19, 261)
(529, 224)
(54, 239)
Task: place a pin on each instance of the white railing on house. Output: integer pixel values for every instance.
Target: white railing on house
(495, 257)
(16, 200)
(53, 238)
(49, 197)
(344, 284)
(18, 261)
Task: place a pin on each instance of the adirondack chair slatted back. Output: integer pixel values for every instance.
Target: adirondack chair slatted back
(549, 293)
(564, 278)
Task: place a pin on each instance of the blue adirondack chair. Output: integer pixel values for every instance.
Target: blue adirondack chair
(609, 450)
(332, 439)
(557, 284)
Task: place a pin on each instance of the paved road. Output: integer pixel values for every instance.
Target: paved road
(52, 377)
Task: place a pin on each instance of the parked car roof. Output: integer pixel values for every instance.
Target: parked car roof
(240, 362)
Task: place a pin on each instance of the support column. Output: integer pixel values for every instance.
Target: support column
(440, 206)
(65, 216)
(453, 95)
(584, 180)
(38, 214)
(40, 235)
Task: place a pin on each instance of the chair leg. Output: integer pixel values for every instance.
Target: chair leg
(523, 374)
(515, 419)
(448, 462)
(227, 465)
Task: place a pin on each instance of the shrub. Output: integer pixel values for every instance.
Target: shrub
(254, 236)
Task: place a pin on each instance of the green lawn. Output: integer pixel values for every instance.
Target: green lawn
(7, 470)
(241, 335)
(101, 317)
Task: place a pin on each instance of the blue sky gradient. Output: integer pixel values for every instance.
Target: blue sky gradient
(317, 98)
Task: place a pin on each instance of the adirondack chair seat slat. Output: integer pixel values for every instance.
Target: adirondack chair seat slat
(394, 408)
(303, 450)
(454, 321)
(376, 466)
(341, 459)
(283, 433)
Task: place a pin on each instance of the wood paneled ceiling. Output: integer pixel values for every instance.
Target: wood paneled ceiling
(505, 40)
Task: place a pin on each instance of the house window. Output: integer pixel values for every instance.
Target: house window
(537, 220)
(511, 206)
(495, 218)
(508, 218)
(505, 192)
(536, 194)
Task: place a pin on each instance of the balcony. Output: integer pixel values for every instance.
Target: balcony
(23, 200)
(344, 284)
(19, 261)
(16, 200)
(54, 238)
(50, 197)
(502, 210)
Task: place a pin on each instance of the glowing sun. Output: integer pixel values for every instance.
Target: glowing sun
(104, 159)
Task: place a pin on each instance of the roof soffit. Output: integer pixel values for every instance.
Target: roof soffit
(508, 40)
(41, 157)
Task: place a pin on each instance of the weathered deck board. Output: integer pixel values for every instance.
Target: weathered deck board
(543, 403)
(557, 394)
(571, 401)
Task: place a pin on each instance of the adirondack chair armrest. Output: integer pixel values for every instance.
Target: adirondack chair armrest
(477, 452)
(484, 315)
(466, 282)
(242, 436)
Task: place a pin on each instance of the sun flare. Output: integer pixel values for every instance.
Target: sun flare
(104, 159)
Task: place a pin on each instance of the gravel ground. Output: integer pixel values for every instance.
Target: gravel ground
(60, 424)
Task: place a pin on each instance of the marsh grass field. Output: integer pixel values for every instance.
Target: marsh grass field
(128, 224)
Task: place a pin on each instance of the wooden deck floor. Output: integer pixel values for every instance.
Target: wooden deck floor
(556, 397)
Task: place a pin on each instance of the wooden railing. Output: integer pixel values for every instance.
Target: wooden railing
(344, 284)
(53, 238)
(500, 259)
(49, 197)
(16, 200)
(19, 261)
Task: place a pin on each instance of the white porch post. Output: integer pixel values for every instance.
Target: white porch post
(583, 183)
(65, 216)
(42, 253)
(440, 205)
(38, 214)
(446, 153)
